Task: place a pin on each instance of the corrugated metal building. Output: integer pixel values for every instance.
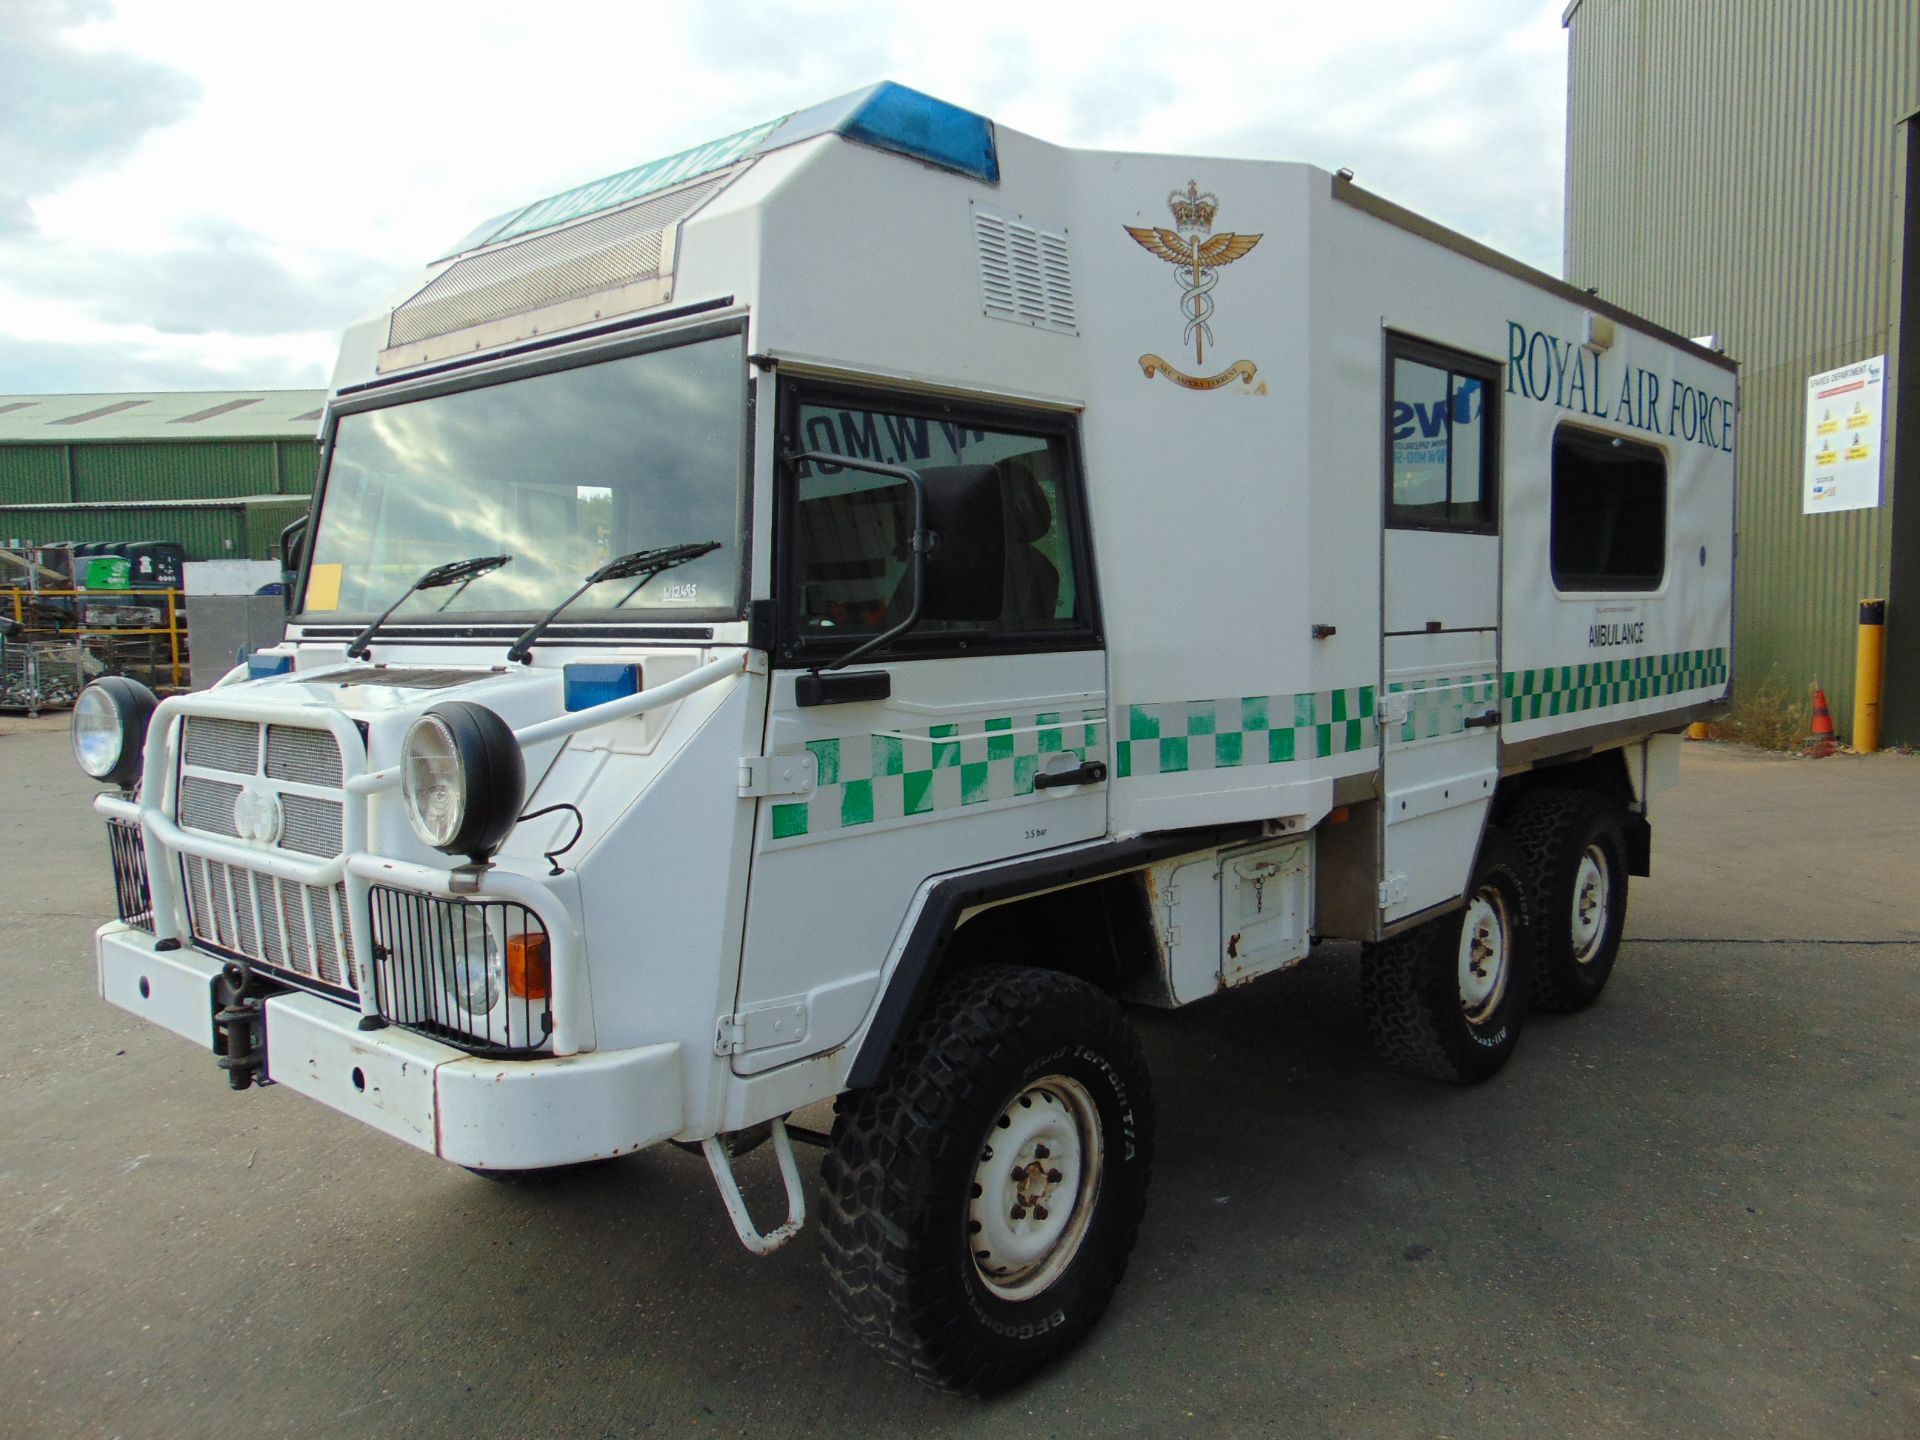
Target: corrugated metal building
(246, 527)
(144, 467)
(1750, 170)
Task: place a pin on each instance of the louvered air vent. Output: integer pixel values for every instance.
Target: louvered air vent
(607, 265)
(1024, 272)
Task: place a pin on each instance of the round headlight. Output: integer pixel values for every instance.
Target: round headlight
(474, 972)
(432, 781)
(109, 728)
(462, 778)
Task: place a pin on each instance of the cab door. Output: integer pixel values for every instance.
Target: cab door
(961, 743)
(1440, 648)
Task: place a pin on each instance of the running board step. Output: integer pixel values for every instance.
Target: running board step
(718, 1161)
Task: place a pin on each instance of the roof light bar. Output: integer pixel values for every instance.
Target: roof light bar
(886, 116)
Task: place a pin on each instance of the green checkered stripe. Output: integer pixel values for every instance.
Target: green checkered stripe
(1569, 689)
(866, 779)
(1439, 706)
(1254, 730)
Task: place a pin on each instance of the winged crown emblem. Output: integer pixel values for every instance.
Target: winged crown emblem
(1198, 256)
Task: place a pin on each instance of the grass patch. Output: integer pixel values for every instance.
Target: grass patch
(1773, 715)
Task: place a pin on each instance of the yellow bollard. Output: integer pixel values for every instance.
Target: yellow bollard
(1869, 664)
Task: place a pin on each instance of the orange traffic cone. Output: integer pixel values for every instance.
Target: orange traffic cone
(1820, 743)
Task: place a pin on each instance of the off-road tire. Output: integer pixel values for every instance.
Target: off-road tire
(1411, 986)
(1555, 830)
(900, 1173)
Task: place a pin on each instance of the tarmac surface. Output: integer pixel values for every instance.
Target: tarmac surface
(1692, 1211)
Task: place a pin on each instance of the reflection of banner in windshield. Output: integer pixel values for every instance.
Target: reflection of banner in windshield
(1419, 471)
(1422, 438)
(887, 439)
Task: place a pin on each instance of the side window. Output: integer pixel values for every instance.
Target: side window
(849, 530)
(1440, 448)
(1609, 512)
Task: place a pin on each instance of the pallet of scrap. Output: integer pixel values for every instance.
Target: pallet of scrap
(38, 675)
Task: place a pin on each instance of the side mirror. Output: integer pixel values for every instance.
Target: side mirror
(966, 570)
(958, 556)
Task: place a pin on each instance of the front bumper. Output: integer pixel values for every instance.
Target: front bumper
(490, 1114)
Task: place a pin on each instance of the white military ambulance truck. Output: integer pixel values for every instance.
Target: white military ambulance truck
(836, 613)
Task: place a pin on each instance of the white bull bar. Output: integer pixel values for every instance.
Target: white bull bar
(356, 867)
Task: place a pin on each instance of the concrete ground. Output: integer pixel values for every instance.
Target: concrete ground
(1693, 1211)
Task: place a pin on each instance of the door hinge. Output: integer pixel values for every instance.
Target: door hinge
(1398, 707)
(761, 1027)
(793, 774)
(1393, 890)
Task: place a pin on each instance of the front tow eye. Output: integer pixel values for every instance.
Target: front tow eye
(240, 1026)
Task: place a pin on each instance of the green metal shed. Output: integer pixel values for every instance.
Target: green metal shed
(245, 527)
(186, 445)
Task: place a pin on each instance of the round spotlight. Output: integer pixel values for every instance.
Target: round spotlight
(462, 778)
(109, 729)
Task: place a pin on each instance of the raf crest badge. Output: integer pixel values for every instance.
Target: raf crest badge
(1197, 255)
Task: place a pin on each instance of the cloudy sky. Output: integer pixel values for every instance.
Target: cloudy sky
(200, 194)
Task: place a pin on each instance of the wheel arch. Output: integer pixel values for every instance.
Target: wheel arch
(1090, 903)
(1605, 773)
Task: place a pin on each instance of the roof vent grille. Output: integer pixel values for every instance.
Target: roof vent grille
(624, 257)
(1025, 274)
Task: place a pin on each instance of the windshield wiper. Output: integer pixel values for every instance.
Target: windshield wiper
(645, 564)
(457, 572)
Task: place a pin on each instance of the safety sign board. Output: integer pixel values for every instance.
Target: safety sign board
(1843, 438)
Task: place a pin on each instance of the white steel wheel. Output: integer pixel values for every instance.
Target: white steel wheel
(1592, 900)
(1446, 999)
(1486, 951)
(1574, 849)
(978, 1204)
(1035, 1187)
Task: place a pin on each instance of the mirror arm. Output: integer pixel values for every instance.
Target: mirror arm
(293, 550)
(923, 543)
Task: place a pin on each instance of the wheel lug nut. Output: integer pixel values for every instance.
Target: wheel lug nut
(1053, 1177)
(1039, 1212)
(1019, 1212)
(1040, 1152)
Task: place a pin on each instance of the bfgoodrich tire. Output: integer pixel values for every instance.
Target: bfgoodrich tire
(1575, 854)
(1446, 999)
(980, 1204)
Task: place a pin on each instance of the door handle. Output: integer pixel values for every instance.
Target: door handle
(1091, 773)
(1481, 722)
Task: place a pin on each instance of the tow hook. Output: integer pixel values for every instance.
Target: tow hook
(241, 1026)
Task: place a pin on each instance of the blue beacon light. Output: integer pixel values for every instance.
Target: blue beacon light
(588, 684)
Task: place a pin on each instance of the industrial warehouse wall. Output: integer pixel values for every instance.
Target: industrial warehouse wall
(1737, 169)
(244, 530)
(85, 471)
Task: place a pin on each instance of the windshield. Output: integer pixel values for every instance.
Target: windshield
(563, 471)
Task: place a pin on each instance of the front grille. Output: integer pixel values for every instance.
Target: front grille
(133, 901)
(208, 805)
(308, 757)
(214, 744)
(448, 968)
(294, 755)
(298, 930)
(312, 825)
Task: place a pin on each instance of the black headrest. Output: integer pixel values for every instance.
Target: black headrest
(1029, 516)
